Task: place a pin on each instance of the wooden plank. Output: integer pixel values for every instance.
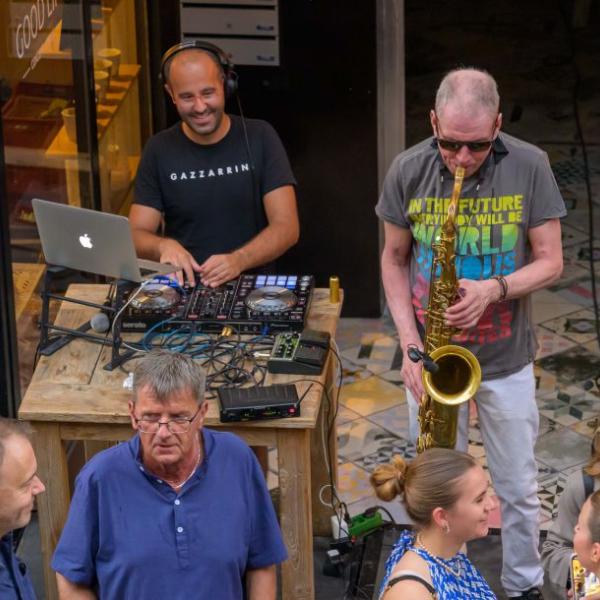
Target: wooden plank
(253, 436)
(323, 315)
(72, 403)
(297, 576)
(51, 400)
(122, 433)
(323, 450)
(26, 277)
(92, 447)
(53, 504)
(93, 432)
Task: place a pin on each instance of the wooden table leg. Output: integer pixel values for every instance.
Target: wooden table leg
(92, 447)
(297, 576)
(324, 455)
(53, 504)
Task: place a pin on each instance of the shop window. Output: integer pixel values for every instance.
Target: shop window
(72, 125)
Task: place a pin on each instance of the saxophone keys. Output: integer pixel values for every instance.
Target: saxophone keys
(424, 442)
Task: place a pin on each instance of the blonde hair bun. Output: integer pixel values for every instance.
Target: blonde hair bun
(388, 480)
(431, 479)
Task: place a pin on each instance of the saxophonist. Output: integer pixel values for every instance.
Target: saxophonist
(508, 244)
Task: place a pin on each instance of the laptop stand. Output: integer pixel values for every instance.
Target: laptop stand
(49, 345)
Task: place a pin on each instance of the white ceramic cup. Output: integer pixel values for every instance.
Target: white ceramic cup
(114, 56)
(101, 78)
(68, 116)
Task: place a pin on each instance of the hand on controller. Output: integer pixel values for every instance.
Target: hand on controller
(173, 252)
(220, 268)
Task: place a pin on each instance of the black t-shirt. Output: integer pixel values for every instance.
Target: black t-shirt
(210, 197)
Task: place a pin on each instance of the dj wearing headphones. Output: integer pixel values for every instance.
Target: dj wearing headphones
(223, 184)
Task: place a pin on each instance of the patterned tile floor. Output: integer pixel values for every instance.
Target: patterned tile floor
(373, 420)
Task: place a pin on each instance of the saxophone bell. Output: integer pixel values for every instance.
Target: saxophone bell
(457, 377)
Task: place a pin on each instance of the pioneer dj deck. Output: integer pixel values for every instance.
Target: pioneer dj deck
(249, 304)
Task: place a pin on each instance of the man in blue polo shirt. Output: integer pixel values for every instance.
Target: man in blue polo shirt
(179, 511)
(19, 485)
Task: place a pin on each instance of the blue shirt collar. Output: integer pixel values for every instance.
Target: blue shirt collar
(208, 441)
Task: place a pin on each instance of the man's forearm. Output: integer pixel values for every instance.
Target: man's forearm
(268, 245)
(546, 262)
(396, 283)
(534, 276)
(147, 244)
(262, 583)
(67, 590)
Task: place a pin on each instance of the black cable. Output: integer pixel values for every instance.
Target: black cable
(257, 207)
(36, 358)
(330, 422)
(334, 496)
(386, 511)
(332, 429)
(128, 359)
(354, 591)
(586, 169)
(109, 301)
(227, 361)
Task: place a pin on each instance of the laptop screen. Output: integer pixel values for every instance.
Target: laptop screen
(86, 240)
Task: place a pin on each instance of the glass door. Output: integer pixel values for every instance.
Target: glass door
(71, 123)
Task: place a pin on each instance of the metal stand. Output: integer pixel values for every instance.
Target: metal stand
(112, 310)
(117, 359)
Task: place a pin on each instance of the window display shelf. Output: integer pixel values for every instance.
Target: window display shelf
(106, 111)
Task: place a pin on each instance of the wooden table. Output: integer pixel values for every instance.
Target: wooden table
(69, 400)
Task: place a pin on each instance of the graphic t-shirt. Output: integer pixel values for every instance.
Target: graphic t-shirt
(211, 198)
(514, 191)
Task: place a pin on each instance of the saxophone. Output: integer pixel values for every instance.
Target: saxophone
(451, 374)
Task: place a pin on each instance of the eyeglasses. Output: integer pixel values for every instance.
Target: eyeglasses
(455, 145)
(176, 425)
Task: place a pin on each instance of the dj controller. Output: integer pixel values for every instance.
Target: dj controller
(249, 304)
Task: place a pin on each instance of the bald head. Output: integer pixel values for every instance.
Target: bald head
(469, 91)
(189, 57)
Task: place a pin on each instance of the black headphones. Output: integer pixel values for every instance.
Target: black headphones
(230, 83)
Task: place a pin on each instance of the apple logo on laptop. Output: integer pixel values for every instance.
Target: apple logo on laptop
(85, 241)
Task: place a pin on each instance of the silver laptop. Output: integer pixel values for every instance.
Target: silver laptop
(92, 241)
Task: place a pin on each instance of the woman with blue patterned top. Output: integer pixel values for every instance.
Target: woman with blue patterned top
(445, 494)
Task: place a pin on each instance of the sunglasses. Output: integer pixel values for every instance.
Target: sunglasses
(455, 146)
(472, 146)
